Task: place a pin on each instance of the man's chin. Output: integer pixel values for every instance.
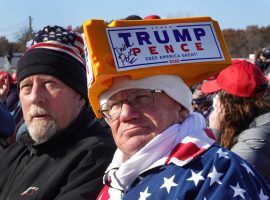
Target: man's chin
(41, 130)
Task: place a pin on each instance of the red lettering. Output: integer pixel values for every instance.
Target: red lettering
(169, 48)
(184, 47)
(136, 51)
(199, 46)
(152, 50)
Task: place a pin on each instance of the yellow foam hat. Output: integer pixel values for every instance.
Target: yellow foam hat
(192, 48)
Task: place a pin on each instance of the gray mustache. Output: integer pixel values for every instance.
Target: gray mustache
(37, 111)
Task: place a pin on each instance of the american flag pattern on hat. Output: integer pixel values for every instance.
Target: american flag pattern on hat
(60, 39)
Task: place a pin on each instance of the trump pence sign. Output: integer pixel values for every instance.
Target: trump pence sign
(146, 46)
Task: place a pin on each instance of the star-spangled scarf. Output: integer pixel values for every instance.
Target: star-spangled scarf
(178, 144)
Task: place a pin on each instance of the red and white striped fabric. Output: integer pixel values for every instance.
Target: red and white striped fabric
(60, 39)
(179, 144)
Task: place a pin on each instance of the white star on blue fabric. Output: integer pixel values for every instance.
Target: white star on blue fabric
(238, 191)
(58, 30)
(247, 168)
(168, 183)
(263, 196)
(144, 195)
(222, 154)
(196, 177)
(214, 176)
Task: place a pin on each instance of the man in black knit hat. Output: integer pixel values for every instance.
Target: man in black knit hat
(65, 151)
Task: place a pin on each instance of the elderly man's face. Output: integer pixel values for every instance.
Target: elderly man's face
(48, 105)
(135, 127)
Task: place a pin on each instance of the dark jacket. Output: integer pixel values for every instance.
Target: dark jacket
(7, 123)
(68, 166)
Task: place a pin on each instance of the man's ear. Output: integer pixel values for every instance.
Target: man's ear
(82, 102)
(183, 114)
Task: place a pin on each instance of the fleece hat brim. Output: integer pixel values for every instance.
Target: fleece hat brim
(172, 85)
(55, 63)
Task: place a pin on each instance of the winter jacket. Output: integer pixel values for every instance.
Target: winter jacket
(253, 145)
(68, 166)
(7, 123)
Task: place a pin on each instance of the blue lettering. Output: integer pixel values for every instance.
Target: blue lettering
(199, 32)
(184, 36)
(165, 36)
(143, 37)
(125, 37)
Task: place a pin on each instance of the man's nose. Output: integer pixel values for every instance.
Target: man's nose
(128, 112)
(36, 95)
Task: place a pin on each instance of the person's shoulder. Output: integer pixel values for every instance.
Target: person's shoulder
(230, 164)
(254, 133)
(95, 135)
(11, 153)
(218, 155)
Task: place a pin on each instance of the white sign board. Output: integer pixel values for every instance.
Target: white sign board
(156, 45)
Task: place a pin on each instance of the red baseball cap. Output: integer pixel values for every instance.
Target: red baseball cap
(242, 79)
(152, 17)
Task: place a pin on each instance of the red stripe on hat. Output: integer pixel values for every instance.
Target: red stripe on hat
(185, 151)
(58, 47)
(79, 38)
(79, 43)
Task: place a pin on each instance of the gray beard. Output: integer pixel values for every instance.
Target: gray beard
(42, 131)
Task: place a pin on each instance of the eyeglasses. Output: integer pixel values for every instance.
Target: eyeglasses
(138, 99)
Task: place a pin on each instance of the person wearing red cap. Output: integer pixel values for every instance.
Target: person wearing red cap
(241, 113)
(152, 17)
(10, 98)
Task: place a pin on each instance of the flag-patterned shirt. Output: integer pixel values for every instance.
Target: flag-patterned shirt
(216, 174)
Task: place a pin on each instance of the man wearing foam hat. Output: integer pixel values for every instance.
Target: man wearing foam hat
(65, 151)
(139, 83)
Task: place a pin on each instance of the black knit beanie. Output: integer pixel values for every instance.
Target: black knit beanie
(58, 52)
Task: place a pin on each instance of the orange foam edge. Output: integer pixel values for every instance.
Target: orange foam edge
(103, 67)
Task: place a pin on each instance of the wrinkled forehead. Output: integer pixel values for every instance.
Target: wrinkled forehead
(39, 77)
(124, 93)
